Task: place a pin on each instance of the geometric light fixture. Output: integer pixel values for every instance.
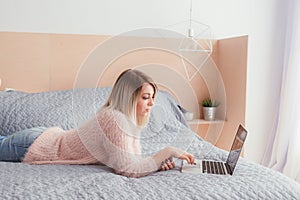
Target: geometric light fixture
(196, 46)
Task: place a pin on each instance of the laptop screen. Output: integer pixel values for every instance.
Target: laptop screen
(236, 147)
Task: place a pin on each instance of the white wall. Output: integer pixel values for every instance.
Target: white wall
(263, 21)
(117, 16)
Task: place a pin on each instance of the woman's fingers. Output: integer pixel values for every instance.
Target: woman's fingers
(191, 157)
(170, 164)
(167, 164)
(178, 153)
(188, 157)
(165, 167)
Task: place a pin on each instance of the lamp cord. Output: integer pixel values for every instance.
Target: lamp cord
(191, 31)
(191, 13)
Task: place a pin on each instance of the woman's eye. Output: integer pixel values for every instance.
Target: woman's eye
(147, 97)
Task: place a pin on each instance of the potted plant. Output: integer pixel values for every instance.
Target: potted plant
(209, 108)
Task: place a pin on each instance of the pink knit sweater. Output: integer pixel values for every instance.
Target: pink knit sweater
(108, 138)
(56, 146)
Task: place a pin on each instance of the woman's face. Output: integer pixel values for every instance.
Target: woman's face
(145, 100)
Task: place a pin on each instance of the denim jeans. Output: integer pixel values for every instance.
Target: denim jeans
(14, 147)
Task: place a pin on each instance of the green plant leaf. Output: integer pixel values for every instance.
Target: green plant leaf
(209, 102)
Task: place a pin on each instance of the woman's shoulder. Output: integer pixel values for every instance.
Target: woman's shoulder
(114, 119)
(111, 117)
(110, 114)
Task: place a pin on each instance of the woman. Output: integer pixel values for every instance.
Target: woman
(110, 138)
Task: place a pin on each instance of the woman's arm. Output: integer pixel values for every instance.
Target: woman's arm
(118, 140)
(172, 152)
(140, 168)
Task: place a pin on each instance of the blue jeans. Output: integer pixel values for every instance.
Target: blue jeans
(14, 147)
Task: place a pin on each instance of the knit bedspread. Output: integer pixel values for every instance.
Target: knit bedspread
(68, 109)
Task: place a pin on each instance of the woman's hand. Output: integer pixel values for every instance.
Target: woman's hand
(182, 155)
(170, 152)
(167, 164)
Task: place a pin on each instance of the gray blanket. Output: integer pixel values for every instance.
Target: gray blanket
(167, 126)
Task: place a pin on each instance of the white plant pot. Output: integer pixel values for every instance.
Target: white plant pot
(209, 113)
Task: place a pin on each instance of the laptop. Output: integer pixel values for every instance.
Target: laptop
(219, 167)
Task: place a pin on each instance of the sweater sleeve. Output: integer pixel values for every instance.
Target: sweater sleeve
(120, 135)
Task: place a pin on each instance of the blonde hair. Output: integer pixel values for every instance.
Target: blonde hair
(125, 93)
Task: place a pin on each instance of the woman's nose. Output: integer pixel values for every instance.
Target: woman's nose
(151, 102)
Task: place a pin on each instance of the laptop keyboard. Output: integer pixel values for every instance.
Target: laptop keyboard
(213, 167)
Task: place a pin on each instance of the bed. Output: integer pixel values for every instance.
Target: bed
(68, 109)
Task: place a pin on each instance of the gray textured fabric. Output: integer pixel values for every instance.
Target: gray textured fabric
(167, 126)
